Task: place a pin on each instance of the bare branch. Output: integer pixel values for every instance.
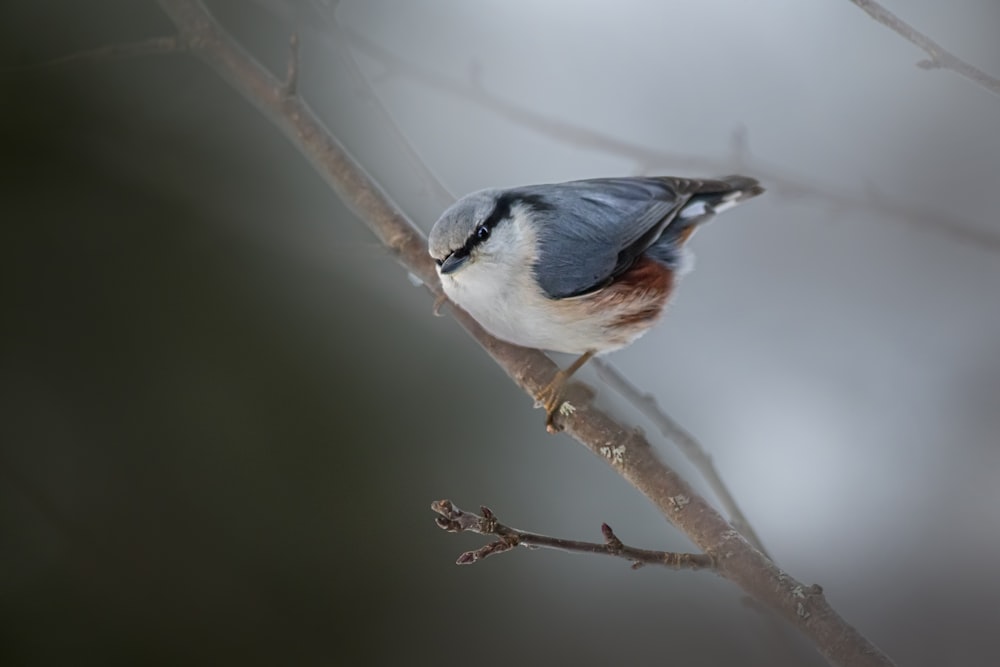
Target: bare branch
(627, 452)
(651, 160)
(455, 520)
(939, 57)
(551, 127)
(685, 442)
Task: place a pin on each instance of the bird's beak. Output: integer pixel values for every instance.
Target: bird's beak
(453, 263)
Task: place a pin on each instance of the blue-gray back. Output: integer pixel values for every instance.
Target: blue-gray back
(591, 231)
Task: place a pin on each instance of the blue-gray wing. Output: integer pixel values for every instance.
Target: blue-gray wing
(592, 231)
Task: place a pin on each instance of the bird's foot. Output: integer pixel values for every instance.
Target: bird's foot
(551, 398)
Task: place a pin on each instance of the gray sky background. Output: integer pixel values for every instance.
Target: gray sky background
(226, 410)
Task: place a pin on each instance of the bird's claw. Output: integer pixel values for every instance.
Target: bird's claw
(550, 398)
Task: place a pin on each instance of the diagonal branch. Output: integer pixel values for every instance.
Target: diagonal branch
(939, 57)
(685, 442)
(627, 452)
(455, 520)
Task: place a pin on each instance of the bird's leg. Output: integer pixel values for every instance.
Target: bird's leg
(439, 304)
(550, 396)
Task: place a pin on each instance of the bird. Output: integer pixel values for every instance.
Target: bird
(583, 267)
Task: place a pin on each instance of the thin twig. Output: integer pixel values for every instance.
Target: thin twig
(685, 442)
(155, 46)
(939, 57)
(291, 85)
(627, 452)
(455, 520)
(651, 160)
(321, 23)
(440, 195)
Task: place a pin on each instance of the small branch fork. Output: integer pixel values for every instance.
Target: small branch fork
(939, 57)
(455, 520)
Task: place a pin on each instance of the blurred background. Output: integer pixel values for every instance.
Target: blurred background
(224, 410)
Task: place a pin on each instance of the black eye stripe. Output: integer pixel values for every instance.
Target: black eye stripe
(501, 211)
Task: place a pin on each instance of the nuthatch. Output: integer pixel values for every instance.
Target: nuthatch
(583, 267)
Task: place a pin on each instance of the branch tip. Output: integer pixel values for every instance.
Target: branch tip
(290, 87)
(611, 540)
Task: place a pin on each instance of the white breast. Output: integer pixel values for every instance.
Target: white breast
(498, 289)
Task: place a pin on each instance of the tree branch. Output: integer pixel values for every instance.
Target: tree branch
(455, 520)
(939, 57)
(627, 452)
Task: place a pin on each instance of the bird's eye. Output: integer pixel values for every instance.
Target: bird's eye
(482, 232)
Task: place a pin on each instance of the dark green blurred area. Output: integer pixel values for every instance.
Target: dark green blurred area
(192, 468)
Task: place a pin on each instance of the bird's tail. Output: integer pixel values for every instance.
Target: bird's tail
(706, 199)
(719, 195)
(709, 198)
(747, 187)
